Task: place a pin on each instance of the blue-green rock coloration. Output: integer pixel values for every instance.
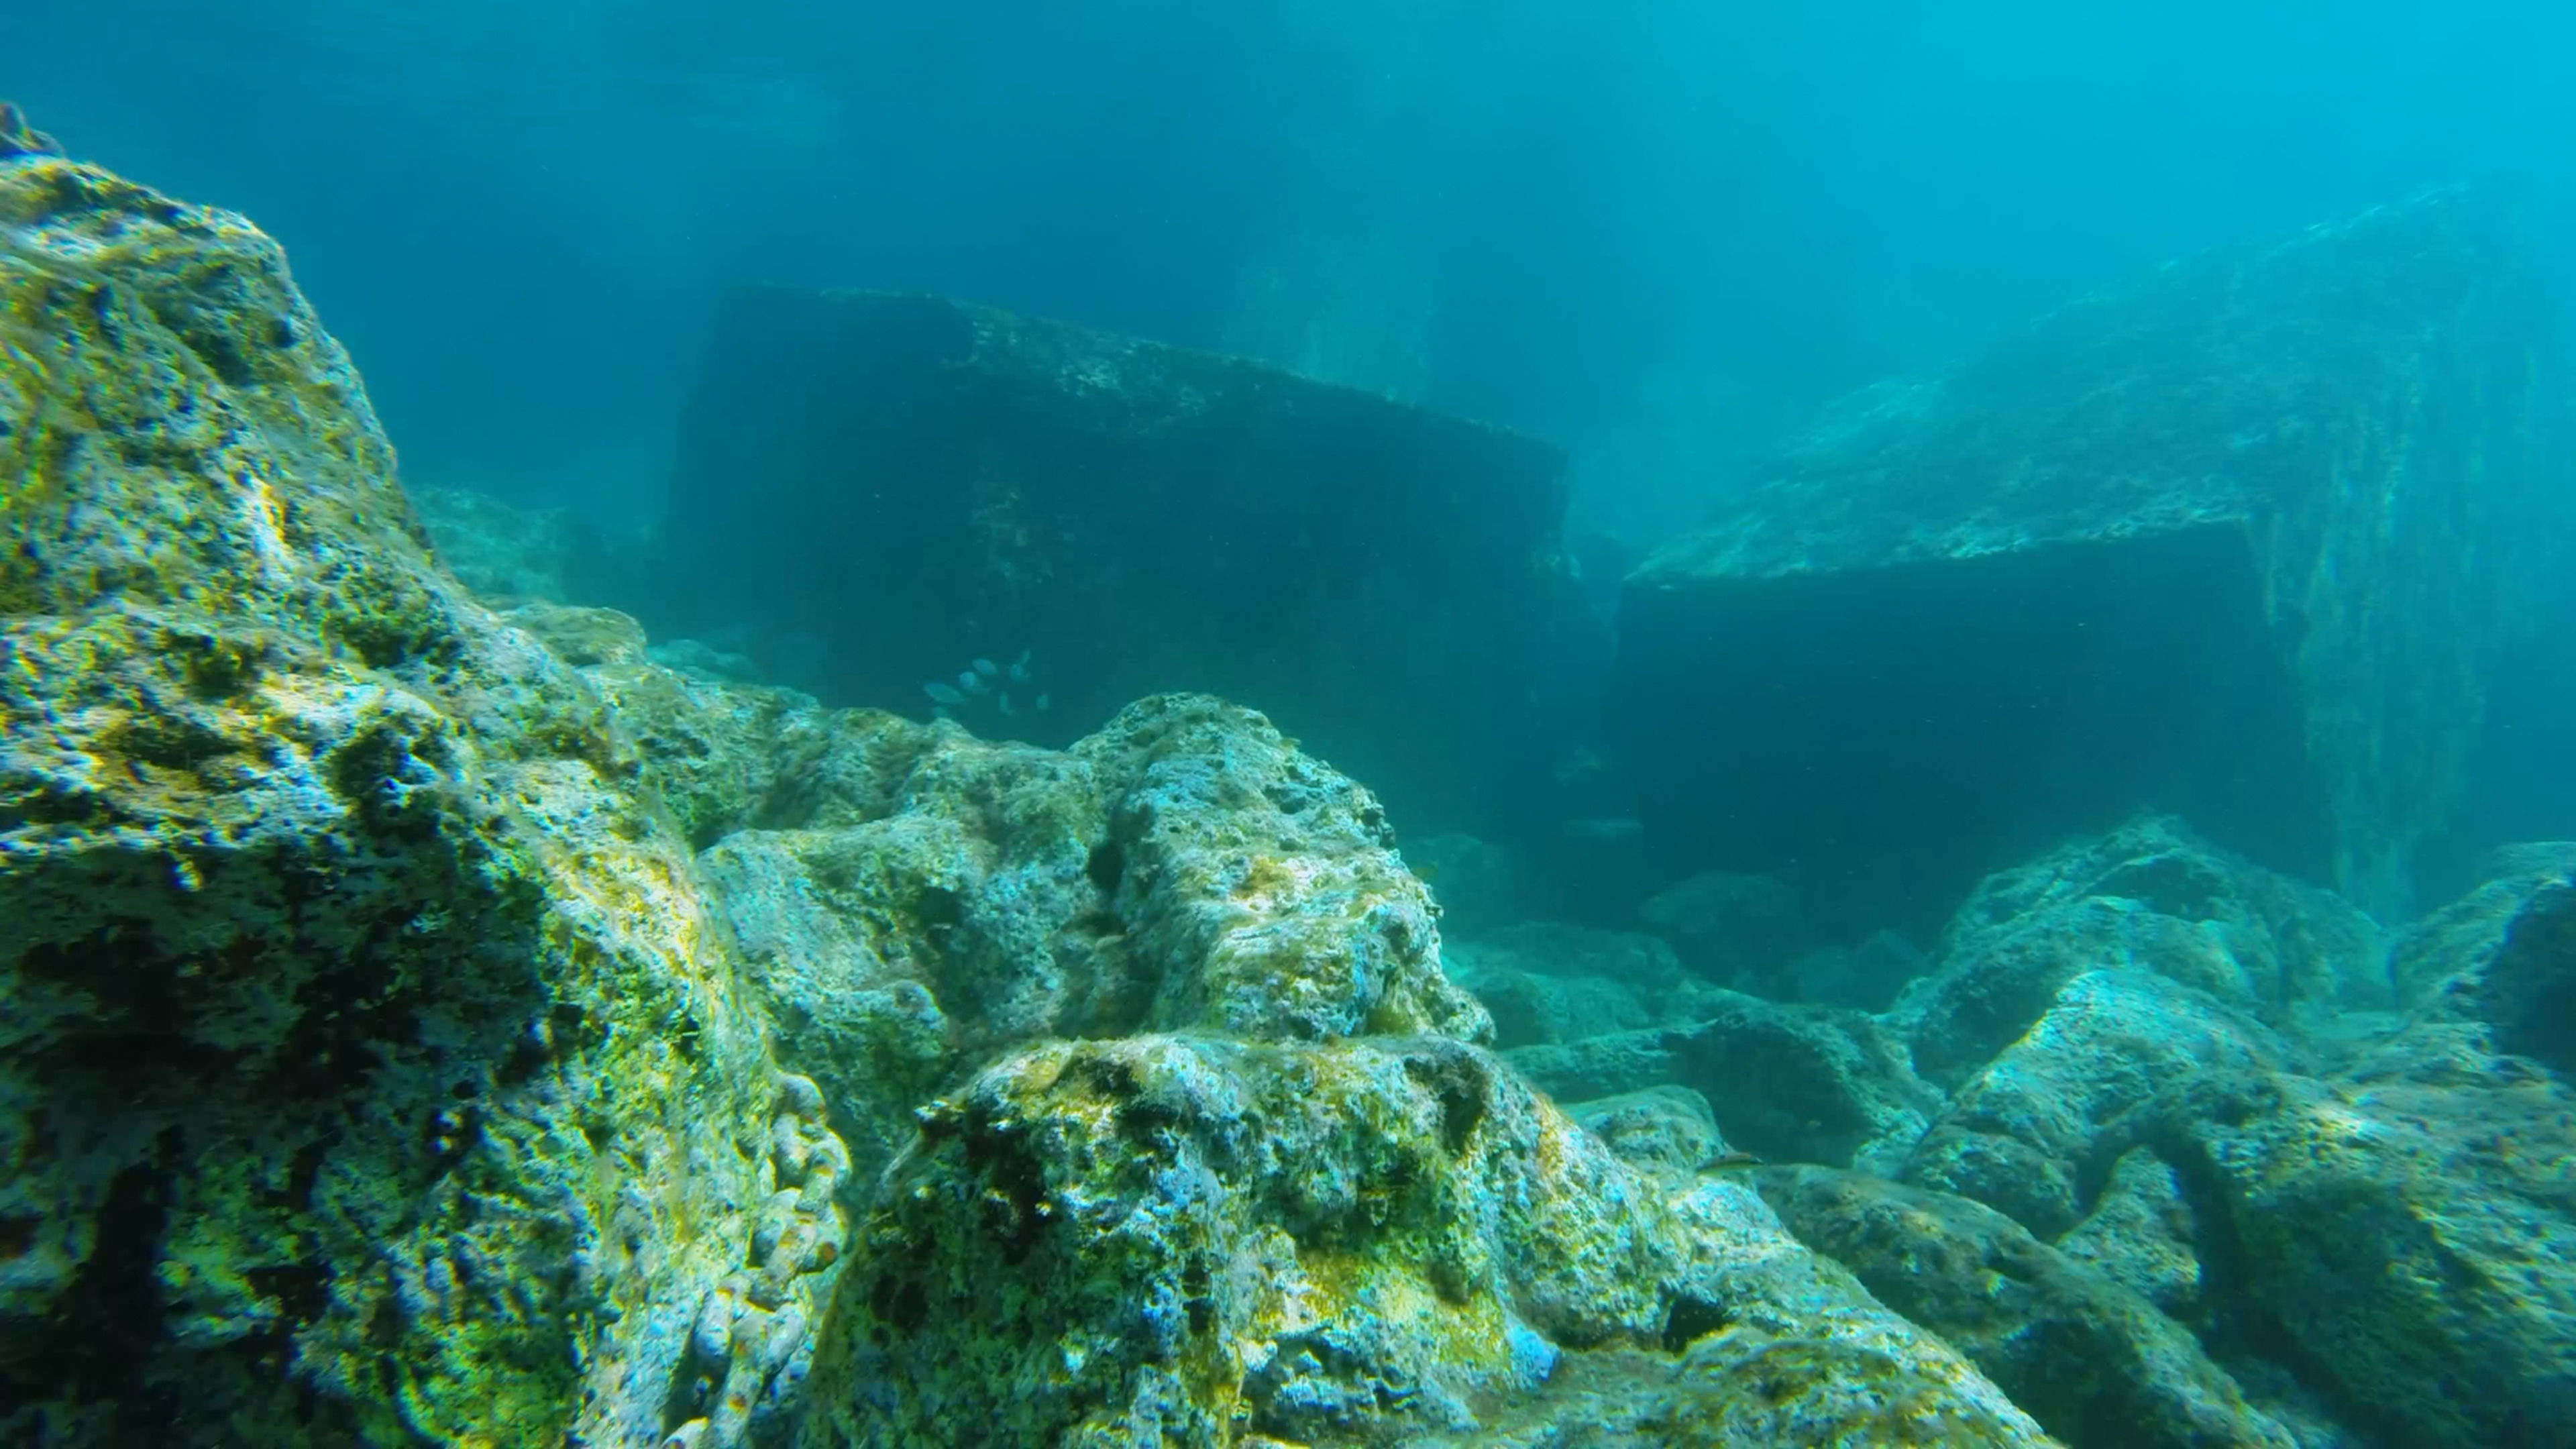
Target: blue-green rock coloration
(2246, 540)
(1387, 582)
(376, 1070)
(433, 1025)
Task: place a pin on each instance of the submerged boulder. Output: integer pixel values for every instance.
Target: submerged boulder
(1189, 1240)
(2022, 1135)
(374, 1068)
(1117, 518)
(2246, 541)
(2094, 1362)
(2150, 896)
(2405, 1230)
(2504, 957)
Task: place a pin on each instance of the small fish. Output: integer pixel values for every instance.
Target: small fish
(1020, 668)
(1043, 701)
(1729, 1159)
(985, 668)
(971, 682)
(1006, 704)
(942, 693)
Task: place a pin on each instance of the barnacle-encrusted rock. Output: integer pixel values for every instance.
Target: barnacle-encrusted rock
(372, 1071)
(1188, 1240)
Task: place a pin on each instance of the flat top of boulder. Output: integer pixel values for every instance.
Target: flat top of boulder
(2159, 407)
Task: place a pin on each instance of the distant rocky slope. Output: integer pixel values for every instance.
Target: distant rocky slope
(2247, 540)
(2178, 1151)
(434, 1025)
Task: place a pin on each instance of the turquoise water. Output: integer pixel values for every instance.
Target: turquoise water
(1290, 724)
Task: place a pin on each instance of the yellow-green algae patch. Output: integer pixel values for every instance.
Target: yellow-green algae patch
(372, 1053)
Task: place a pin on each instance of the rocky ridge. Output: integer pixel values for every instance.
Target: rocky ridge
(434, 1024)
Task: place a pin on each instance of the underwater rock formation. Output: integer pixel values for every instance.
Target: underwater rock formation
(2372, 1204)
(1743, 931)
(2244, 541)
(1196, 1241)
(2503, 956)
(2022, 1134)
(438, 1025)
(1549, 983)
(2091, 1360)
(374, 1069)
(918, 482)
(1591, 1014)
(2148, 896)
(2404, 1227)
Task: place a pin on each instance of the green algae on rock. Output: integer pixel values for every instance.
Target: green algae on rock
(1188, 1240)
(375, 1071)
(2090, 1360)
(423, 1027)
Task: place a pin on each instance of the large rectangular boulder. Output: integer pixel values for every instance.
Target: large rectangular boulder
(2244, 541)
(874, 491)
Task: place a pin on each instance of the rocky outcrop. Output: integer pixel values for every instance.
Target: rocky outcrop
(2152, 897)
(431, 1024)
(2023, 1134)
(1127, 518)
(2094, 1362)
(2503, 957)
(375, 1069)
(1741, 931)
(1789, 1083)
(2406, 1227)
(2245, 541)
(1184, 1240)
(1547, 983)
(2356, 1208)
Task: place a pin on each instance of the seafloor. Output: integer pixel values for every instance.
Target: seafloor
(437, 1019)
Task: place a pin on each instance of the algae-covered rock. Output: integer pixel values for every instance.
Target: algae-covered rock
(2143, 1234)
(2092, 1361)
(1192, 1241)
(374, 1071)
(2408, 1228)
(2021, 1135)
(1791, 1083)
(915, 900)
(2148, 896)
(1272, 876)
(1660, 1129)
(1546, 982)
